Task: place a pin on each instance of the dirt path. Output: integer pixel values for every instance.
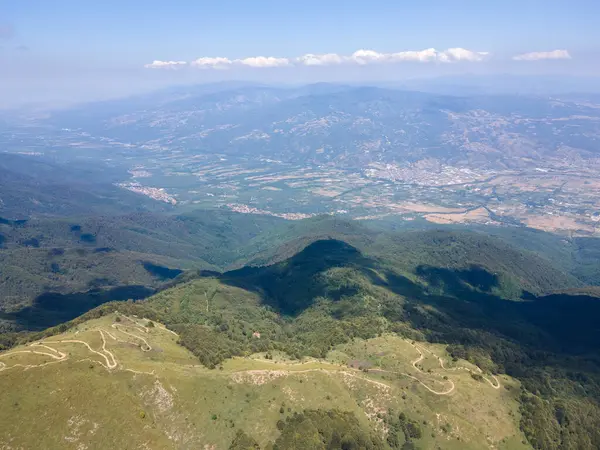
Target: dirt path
(433, 391)
(144, 328)
(414, 364)
(284, 372)
(495, 384)
(451, 385)
(109, 358)
(140, 326)
(377, 383)
(57, 356)
(147, 347)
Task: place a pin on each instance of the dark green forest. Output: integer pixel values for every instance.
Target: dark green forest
(82, 255)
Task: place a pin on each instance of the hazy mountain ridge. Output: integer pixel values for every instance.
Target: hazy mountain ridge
(328, 125)
(296, 152)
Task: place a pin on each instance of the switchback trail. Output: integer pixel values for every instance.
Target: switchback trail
(109, 361)
(145, 348)
(109, 358)
(452, 386)
(495, 384)
(56, 355)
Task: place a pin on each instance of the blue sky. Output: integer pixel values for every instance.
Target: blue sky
(66, 43)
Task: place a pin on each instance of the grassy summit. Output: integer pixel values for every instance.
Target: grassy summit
(123, 382)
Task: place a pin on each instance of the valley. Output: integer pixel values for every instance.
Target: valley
(555, 201)
(364, 152)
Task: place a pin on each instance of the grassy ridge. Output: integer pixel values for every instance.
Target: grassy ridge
(156, 394)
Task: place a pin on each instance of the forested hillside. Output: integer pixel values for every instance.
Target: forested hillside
(85, 255)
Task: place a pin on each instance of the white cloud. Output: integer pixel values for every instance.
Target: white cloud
(446, 56)
(165, 65)
(536, 56)
(427, 55)
(363, 57)
(264, 61)
(212, 63)
(326, 59)
(461, 54)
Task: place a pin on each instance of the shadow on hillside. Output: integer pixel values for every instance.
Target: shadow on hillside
(50, 309)
(293, 285)
(457, 280)
(452, 305)
(161, 272)
(464, 315)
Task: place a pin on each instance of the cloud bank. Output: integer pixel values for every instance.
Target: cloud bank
(362, 57)
(211, 63)
(220, 62)
(537, 56)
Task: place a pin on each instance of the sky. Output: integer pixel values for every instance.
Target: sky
(66, 50)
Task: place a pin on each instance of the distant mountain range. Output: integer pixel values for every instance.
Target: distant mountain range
(343, 126)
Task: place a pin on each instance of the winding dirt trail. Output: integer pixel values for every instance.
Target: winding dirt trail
(56, 355)
(451, 386)
(433, 391)
(141, 327)
(147, 347)
(109, 357)
(495, 384)
(286, 372)
(144, 328)
(430, 389)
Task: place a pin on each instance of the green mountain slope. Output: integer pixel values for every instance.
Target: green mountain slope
(452, 350)
(330, 294)
(73, 256)
(120, 381)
